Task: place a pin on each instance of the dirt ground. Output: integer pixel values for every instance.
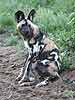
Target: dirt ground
(10, 63)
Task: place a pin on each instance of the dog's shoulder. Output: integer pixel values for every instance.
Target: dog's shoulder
(50, 44)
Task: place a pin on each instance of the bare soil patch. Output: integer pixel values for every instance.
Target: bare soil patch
(10, 63)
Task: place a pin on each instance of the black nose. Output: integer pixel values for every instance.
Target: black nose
(23, 30)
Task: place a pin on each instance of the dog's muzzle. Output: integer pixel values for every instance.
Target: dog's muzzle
(26, 31)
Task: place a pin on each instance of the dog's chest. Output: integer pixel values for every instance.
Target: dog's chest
(34, 48)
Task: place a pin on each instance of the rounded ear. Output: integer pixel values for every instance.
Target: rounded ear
(19, 16)
(31, 14)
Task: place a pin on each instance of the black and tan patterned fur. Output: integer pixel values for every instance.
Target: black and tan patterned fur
(43, 59)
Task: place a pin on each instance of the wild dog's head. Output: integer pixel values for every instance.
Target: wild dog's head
(25, 24)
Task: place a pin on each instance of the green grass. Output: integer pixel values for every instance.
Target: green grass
(12, 40)
(56, 17)
(69, 93)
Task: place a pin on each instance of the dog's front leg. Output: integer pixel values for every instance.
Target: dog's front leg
(22, 71)
(26, 76)
(26, 73)
(21, 74)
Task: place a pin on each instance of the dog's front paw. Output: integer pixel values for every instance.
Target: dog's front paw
(24, 80)
(31, 79)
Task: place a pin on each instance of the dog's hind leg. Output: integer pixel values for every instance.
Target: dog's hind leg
(59, 76)
(43, 83)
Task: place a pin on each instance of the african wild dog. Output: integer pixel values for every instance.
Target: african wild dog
(43, 56)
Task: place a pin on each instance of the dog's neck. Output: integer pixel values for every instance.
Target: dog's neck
(33, 46)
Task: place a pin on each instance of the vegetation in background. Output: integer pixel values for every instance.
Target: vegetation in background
(69, 93)
(14, 40)
(56, 17)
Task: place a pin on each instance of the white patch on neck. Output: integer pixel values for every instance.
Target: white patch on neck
(36, 48)
(27, 46)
